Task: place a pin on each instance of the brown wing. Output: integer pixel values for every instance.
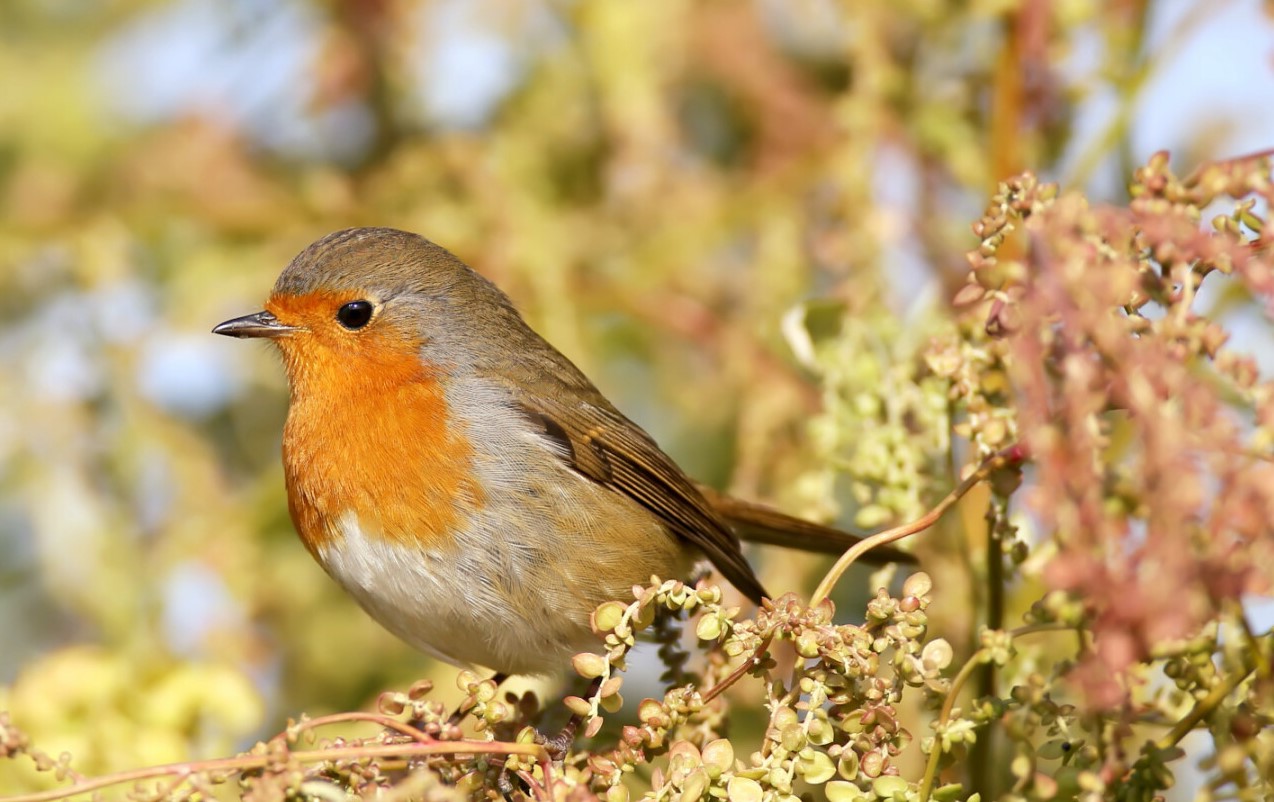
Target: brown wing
(608, 448)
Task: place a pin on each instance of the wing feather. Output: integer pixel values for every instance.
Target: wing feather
(603, 445)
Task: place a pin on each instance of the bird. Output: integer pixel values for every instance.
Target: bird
(465, 482)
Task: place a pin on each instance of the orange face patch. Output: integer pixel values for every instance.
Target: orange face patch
(368, 430)
(325, 343)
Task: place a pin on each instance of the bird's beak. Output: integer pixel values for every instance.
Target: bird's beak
(261, 324)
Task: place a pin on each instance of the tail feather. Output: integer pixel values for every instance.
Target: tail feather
(761, 524)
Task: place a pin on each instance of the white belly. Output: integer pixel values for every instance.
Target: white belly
(437, 601)
(491, 599)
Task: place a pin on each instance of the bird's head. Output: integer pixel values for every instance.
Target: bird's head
(376, 305)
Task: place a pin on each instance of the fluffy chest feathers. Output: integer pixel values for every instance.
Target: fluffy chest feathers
(377, 438)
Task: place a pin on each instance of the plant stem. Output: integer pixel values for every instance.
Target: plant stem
(1013, 455)
(981, 758)
(182, 771)
(931, 768)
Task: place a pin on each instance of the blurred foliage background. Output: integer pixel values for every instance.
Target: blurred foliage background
(659, 186)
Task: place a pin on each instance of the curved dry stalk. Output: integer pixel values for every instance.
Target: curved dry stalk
(1012, 455)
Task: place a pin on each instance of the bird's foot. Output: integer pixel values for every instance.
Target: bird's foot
(559, 744)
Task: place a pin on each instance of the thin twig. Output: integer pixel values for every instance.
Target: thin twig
(966, 671)
(1013, 455)
(1203, 709)
(738, 673)
(260, 761)
(372, 718)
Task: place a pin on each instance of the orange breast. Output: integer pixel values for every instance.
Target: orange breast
(368, 433)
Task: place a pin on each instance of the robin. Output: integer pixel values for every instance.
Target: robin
(465, 482)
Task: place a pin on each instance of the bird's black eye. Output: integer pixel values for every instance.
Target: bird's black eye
(355, 314)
